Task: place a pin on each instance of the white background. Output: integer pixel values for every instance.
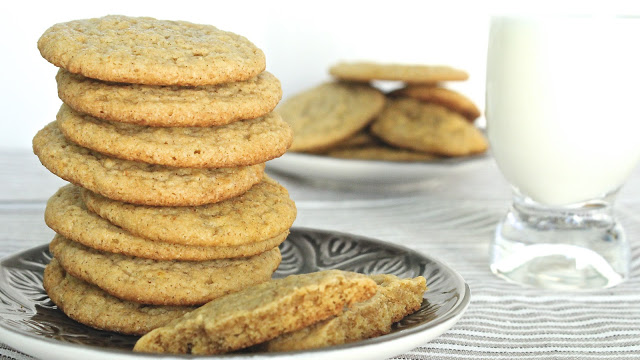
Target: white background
(300, 39)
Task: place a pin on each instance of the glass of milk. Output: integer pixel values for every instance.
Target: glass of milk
(563, 121)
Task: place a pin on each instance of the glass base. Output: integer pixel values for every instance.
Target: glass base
(576, 247)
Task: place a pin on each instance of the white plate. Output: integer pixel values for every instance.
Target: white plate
(30, 323)
(324, 168)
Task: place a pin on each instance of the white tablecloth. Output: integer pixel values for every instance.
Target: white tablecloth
(452, 219)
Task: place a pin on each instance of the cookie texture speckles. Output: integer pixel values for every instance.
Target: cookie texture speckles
(150, 51)
(242, 143)
(413, 74)
(330, 113)
(138, 182)
(259, 313)
(68, 216)
(163, 282)
(93, 307)
(260, 213)
(432, 128)
(395, 299)
(170, 105)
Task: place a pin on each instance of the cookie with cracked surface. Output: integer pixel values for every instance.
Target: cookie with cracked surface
(264, 211)
(380, 152)
(159, 282)
(448, 98)
(413, 74)
(395, 299)
(67, 215)
(144, 50)
(259, 313)
(151, 105)
(137, 182)
(89, 305)
(330, 113)
(425, 127)
(241, 143)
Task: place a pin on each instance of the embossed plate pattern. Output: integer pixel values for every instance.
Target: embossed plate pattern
(32, 324)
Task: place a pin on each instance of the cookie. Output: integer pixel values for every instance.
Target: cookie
(89, 305)
(380, 152)
(259, 313)
(363, 138)
(395, 299)
(413, 74)
(261, 213)
(241, 143)
(330, 113)
(137, 182)
(425, 127)
(149, 51)
(67, 215)
(170, 105)
(450, 99)
(159, 282)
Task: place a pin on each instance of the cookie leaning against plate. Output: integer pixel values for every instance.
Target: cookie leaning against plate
(259, 313)
(170, 105)
(148, 51)
(159, 282)
(448, 98)
(395, 299)
(89, 305)
(330, 113)
(265, 211)
(431, 128)
(67, 215)
(240, 143)
(380, 152)
(138, 182)
(414, 74)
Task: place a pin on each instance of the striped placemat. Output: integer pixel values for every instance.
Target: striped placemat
(503, 321)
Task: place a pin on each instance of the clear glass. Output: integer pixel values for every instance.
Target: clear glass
(562, 127)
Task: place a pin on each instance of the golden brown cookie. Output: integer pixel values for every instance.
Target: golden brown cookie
(262, 212)
(137, 182)
(148, 51)
(414, 74)
(424, 127)
(363, 138)
(89, 305)
(448, 98)
(170, 105)
(242, 143)
(381, 152)
(395, 299)
(259, 313)
(67, 215)
(330, 113)
(159, 282)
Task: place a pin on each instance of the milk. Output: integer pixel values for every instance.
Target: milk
(563, 104)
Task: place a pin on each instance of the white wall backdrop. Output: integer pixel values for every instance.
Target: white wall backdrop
(300, 39)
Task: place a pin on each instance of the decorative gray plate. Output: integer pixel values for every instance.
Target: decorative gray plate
(30, 322)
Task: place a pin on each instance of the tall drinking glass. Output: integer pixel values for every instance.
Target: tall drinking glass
(563, 120)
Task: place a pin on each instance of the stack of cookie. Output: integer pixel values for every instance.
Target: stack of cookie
(351, 118)
(164, 132)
